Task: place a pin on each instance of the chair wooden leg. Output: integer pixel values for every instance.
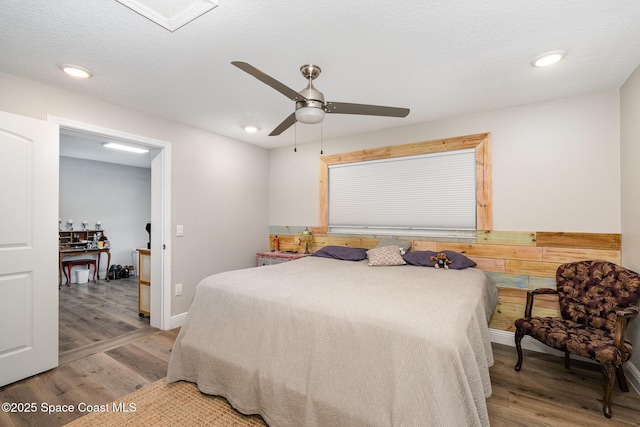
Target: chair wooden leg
(567, 360)
(608, 371)
(622, 380)
(518, 336)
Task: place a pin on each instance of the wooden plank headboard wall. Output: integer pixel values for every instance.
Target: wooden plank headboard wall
(517, 261)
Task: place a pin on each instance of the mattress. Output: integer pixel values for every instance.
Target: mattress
(325, 342)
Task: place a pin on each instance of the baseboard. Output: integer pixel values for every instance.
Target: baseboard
(528, 343)
(178, 320)
(633, 376)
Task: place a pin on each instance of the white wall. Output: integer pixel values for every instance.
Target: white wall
(630, 159)
(117, 195)
(555, 165)
(220, 190)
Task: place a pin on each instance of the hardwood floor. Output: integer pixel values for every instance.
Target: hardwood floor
(544, 393)
(93, 314)
(97, 378)
(108, 352)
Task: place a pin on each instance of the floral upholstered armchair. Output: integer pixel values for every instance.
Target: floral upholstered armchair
(597, 299)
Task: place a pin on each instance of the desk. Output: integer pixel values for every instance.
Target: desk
(63, 253)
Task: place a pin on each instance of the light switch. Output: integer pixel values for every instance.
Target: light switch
(179, 230)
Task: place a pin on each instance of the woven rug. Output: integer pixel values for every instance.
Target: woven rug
(161, 404)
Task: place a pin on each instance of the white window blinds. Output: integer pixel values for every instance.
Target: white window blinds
(430, 194)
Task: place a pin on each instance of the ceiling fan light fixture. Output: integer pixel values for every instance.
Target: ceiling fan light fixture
(309, 115)
(548, 58)
(310, 104)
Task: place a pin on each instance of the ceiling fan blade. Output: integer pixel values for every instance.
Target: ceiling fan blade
(364, 109)
(286, 124)
(267, 79)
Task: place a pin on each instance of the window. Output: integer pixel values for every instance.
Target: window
(430, 188)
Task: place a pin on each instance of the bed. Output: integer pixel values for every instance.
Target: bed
(327, 342)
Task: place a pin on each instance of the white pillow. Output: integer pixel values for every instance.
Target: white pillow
(385, 255)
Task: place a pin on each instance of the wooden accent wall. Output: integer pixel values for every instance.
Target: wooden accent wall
(517, 261)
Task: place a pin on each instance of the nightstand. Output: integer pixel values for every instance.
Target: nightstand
(268, 258)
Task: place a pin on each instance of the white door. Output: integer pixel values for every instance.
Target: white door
(160, 295)
(29, 166)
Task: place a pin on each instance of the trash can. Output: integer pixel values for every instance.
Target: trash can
(82, 275)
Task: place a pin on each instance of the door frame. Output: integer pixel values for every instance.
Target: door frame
(160, 213)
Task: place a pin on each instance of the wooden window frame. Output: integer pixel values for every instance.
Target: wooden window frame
(480, 142)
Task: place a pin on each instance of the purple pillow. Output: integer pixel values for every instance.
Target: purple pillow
(421, 258)
(342, 252)
(459, 261)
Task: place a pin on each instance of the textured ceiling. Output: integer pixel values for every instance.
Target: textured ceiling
(438, 58)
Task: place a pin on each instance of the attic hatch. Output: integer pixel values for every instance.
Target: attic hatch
(171, 14)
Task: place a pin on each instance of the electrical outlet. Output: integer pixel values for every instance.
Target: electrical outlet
(178, 289)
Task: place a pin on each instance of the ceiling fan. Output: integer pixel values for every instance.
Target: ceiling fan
(310, 103)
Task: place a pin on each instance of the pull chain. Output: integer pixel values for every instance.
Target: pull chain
(295, 137)
(321, 138)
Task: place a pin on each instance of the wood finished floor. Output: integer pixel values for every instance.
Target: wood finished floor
(544, 393)
(93, 314)
(107, 352)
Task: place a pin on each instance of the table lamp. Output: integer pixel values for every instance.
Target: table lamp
(306, 237)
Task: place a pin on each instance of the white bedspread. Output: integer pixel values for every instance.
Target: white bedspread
(323, 342)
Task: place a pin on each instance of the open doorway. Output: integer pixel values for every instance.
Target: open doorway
(104, 206)
(160, 164)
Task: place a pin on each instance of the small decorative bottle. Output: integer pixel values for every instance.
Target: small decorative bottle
(276, 244)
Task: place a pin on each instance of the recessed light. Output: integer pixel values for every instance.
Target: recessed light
(548, 58)
(251, 129)
(75, 71)
(125, 148)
